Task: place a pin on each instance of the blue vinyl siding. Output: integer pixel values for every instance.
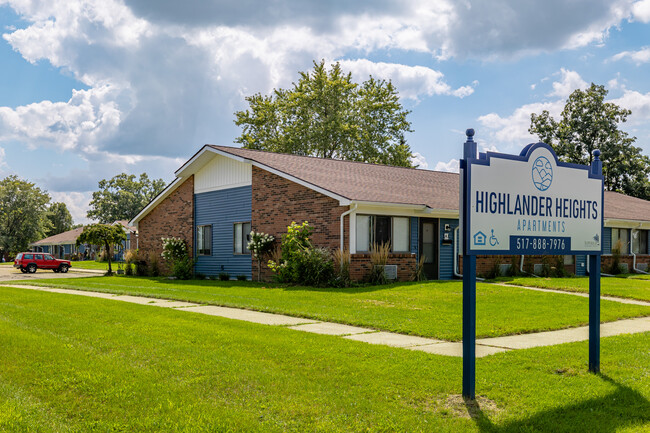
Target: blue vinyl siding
(221, 209)
(446, 253)
(581, 265)
(607, 240)
(415, 244)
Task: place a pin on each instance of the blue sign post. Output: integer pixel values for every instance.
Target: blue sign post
(528, 204)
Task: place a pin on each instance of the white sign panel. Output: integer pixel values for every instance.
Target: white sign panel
(533, 204)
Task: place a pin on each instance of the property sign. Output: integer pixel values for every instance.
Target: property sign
(527, 204)
(532, 204)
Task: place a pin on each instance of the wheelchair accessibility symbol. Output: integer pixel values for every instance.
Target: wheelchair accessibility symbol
(493, 239)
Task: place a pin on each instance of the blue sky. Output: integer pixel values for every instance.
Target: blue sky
(90, 89)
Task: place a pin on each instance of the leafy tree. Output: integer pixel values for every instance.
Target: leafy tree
(23, 214)
(60, 219)
(589, 123)
(327, 115)
(122, 197)
(102, 235)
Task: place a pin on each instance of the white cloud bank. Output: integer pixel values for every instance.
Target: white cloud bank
(165, 77)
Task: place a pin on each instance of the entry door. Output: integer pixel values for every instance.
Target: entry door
(429, 246)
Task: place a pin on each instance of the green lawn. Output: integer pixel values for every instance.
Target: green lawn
(432, 309)
(144, 368)
(91, 264)
(635, 288)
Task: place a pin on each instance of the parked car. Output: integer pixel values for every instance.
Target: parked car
(30, 262)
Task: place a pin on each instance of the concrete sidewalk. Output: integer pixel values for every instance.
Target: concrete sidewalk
(580, 294)
(484, 346)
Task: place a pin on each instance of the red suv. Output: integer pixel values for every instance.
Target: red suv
(29, 262)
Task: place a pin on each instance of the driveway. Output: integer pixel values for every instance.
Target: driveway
(9, 273)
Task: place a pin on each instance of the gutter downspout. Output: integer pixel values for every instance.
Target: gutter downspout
(456, 273)
(353, 207)
(521, 268)
(602, 274)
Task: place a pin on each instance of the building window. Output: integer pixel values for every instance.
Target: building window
(621, 237)
(204, 240)
(378, 229)
(640, 241)
(241, 237)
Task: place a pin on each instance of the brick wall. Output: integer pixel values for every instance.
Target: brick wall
(606, 262)
(174, 216)
(277, 202)
(360, 265)
(484, 264)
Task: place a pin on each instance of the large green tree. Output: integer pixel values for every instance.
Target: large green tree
(328, 115)
(122, 197)
(588, 123)
(104, 235)
(60, 218)
(23, 214)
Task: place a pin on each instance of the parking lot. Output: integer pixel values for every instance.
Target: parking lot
(9, 273)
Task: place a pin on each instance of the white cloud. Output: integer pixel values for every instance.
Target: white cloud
(638, 57)
(511, 132)
(419, 160)
(411, 81)
(76, 202)
(165, 77)
(638, 103)
(570, 81)
(641, 11)
(453, 166)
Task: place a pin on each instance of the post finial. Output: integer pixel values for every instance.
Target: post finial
(470, 134)
(596, 154)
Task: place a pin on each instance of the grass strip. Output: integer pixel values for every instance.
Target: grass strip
(636, 287)
(83, 364)
(431, 309)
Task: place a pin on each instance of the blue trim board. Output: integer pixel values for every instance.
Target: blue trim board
(222, 209)
(607, 240)
(446, 251)
(415, 239)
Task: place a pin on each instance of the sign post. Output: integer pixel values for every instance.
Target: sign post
(469, 287)
(528, 204)
(594, 290)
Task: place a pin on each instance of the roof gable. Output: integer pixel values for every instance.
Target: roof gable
(357, 181)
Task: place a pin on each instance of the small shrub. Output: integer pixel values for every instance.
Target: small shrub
(418, 274)
(378, 259)
(199, 276)
(154, 265)
(175, 251)
(341, 260)
(242, 278)
(299, 262)
(615, 267)
(224, 276)
(128, 269)
(558, 269)
(141, 268)
(260, 245)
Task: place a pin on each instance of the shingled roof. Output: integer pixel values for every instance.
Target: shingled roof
(623, 207)
(361, 181)
(69, 237)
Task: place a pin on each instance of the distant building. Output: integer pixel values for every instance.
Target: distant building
(64, 245)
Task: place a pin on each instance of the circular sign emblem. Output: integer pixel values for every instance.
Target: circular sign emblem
(542, 173)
